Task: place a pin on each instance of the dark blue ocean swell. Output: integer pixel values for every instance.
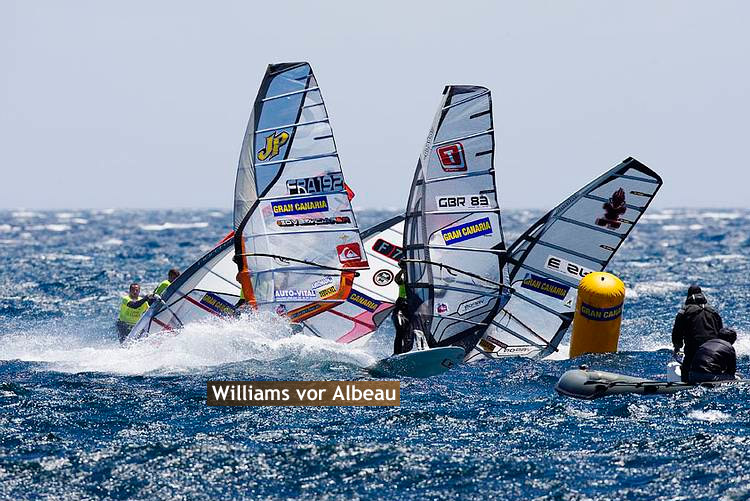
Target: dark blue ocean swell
(82, 418)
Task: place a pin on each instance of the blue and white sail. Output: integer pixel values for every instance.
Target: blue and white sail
(545, 264)
(453, 239)
(297, 244)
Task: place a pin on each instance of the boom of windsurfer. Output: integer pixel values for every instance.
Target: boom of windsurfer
(695, 323)
(404, 339)
(132, 307)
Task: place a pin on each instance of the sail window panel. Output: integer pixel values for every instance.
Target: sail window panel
(319, 176)
(469, 197)
(278, 113)
(637, 193)
(483, 264)
(528, 321)
(446, 328)
(301, 287)
(316, 214)
(461, 157)
(545, 288)
(456, 122)
(588, 242)
(311, 247)
(559, 264)
(593, 213)
(478, 230)
(289, 80)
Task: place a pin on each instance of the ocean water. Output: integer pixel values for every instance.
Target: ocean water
(83, 418)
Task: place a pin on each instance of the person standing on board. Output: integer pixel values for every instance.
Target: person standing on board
(132, 308)
(695, 323)
(171, 277)
(400, 316)
(715, 360)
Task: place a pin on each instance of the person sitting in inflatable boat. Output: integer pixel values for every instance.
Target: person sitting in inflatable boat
(715, 360)
(695, 323)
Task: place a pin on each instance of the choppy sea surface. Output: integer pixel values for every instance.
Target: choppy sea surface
(83, 418)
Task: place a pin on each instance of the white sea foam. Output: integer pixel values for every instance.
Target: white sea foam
(65, 215)
(172, 226)
(23, 214)
(656, 288)
(5, 228)
(716, 257)
(720, 215)
(112, 242)
(657, 217)
(259, 336)
(712, 416)
(80, 220)
(695, 227)
(672, 227)
(57, 227)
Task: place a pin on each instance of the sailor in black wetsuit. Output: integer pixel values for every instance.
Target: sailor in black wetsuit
(696, 323)
(715, 360)
(404, 340)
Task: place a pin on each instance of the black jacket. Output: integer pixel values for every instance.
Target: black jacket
(694, 325)
(715, 357)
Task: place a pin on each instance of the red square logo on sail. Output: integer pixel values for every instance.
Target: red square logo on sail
(452, 157)
(350, 255)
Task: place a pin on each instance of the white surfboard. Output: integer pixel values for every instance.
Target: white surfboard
(420, 363)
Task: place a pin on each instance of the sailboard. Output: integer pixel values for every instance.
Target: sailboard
(373, 292)
(419, 363)
(453, 241)
(545, 264)
(208, 288)
(297, 244)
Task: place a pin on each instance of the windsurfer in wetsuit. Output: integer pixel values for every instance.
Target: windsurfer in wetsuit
(613, 209)
(404, 339)
(715, 360)
(172, 275)
(695, 323)
(132, 308)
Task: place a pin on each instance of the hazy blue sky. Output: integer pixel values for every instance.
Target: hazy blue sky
(144, 103)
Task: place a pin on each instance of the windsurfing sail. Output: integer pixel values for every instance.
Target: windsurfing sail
(453, 240)
(546, 263)
(297, 244)
(207, 288)
(373, 293)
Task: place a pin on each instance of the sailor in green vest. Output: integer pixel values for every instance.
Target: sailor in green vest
(400, 316)
(171, 277)
(132, 307)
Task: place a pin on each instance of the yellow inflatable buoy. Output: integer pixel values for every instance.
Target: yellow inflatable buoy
(596, 323)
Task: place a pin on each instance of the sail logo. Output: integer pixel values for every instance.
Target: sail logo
(467, 231)
(217, 304)
(326, 183)
(327, 292)
(300, 206)
(545, 286)
(565, 267)
(472, 305)
(363, 301)
(452, 157)
(294, 294)
(274, 142)
(600, 314)
(462, 201)
(350, 255)
(389, 250)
